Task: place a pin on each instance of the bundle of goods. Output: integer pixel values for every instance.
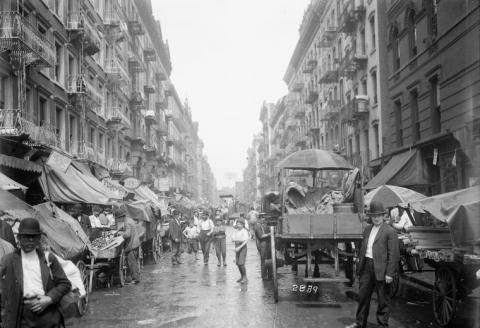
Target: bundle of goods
(302, 200)
(429, 242)
(104, 240)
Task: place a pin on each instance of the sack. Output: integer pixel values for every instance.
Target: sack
(68, 304)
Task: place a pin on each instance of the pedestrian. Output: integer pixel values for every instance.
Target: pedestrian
(30, 289)
(251, 216)
(191, 233)
(241, 237)
(263, 245)
(206, 231)
(378, 265)
(132, 243)
(175, 234)
(6, 231)
(5, 248)
(220, 240)
(76, 211)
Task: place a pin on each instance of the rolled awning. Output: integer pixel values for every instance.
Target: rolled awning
(143, 192)
(8, 184)
(20, 164)
(72, 186)
(404, 169)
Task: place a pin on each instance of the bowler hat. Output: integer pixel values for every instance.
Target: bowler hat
(120, 212)
(29, 226)
(376, 208)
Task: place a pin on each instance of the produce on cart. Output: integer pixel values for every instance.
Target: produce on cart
(448, 240)
(316, 225)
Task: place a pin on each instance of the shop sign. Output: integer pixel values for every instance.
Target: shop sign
(58, 161)
(131, 183)
(163, 184)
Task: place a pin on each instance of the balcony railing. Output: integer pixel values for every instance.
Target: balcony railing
(116, 71)
(299, 112)
(352, 13)
(162, 129)
(362, 106)
(359, 159)
(149, 88)
(135, 27)
(150, 116)
(329, 76)
(149, 54)
(137, 100)
(87, 151)
(310, 66)
(119, 166)
(348, 66)
(161, 104)
(114, 115)
(139, 136)
(19, 35)
(90, 38)
(79, 85)
(331, 109)
(111, 18)
(135, 65)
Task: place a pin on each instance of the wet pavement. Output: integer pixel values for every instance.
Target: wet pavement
(194, 295)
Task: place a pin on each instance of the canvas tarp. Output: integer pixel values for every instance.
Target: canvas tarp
(72, 186)
(459, 209)
(143, 192)
(63, 240)
(404, 169)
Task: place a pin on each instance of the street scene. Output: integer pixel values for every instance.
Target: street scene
(254, 163)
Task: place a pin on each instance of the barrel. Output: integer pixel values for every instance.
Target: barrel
(343, 208)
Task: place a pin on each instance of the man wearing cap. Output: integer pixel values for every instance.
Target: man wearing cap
(378, 264)
(241, 237)
(263, 245)
(206, 230)
(220, 241)
(175, 233)
(31, 290)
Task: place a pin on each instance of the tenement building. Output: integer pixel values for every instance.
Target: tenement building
(90, 79)
(431, 122)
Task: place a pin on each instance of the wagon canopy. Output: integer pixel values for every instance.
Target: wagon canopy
(459, 209)
(314, 159)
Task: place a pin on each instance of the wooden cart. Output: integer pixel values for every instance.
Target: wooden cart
(314, 239)
(110, 259)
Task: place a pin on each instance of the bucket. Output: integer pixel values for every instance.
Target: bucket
(343, 208)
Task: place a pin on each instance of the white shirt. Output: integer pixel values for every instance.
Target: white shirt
(246, 224)
(239, 236)
(206, 224)
(191, 232)
(195, 221)
(95, 221)
(32, 275)
(371, 239)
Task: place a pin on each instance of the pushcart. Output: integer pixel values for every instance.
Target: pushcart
(311, 238)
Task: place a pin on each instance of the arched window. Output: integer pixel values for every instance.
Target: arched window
(395, 48)
(412, 33)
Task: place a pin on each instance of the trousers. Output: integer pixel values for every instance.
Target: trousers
(368, 283)
(49, 318)
(133, 265)
(205, 243)
(221, 248)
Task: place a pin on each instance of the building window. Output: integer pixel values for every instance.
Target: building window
(398, 122)
(42, 113)
(3, 83)
(412, 33)
(435, 109)
(377, 140)
(432, 11)
(395, 49)
(60, 125)
(364, 87)
(362, 42)
(414, 115)
(58, 64)
(372, 29)
(374, 86)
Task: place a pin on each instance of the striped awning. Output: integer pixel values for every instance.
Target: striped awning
(20, 164)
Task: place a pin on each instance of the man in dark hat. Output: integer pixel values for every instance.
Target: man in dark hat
(262, 238)
(378, 264)
(132, 244)
(31, 290)
(175, 234)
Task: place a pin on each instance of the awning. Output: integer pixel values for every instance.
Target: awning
(99, 171)
(404, 169)
(15, 207)
(8, 184)
(83, 167)
(72, 186)
(143, 192)
(115, 186)
(20, 164)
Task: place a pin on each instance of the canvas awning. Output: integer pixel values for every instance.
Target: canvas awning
(20, 164)
(8, 184)
(72, 186)
(404, 169)
(143, 192)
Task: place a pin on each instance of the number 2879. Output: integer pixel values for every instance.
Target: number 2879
(308, 289)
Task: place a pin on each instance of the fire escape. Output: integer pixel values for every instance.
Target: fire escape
(25, 47)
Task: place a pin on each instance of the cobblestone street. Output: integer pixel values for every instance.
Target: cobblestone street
(194, 295)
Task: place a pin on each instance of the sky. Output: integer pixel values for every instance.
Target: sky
(228, 57)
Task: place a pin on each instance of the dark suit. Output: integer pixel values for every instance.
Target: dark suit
(175, 233)
(6, 233)
(14, 313)
(372, 273)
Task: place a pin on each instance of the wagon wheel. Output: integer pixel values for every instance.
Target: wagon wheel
(122, 268)
(444, 296)
(82, 302)
(394, 286)
(274, 264)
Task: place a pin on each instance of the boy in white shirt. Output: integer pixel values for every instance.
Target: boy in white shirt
(192, 232)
